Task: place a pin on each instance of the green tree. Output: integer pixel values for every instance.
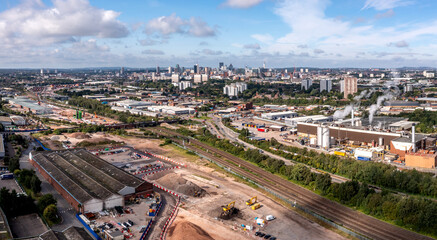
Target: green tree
(35, 184)
(44, 201)
(323, 182)
(51, 213)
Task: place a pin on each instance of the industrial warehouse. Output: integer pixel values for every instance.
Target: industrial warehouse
(87, 182)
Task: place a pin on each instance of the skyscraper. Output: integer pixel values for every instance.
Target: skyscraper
(221, 64)
(196, 68)
(157, 69)
(350, 86)
(325, 85)
(306, 84)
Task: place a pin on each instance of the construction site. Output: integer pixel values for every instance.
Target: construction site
(210, 203)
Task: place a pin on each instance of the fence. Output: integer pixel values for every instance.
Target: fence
(42, 145)
(292, 203)
(169, 220)
(88, 228)
(146, 231)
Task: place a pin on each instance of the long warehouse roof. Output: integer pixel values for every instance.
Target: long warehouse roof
(84, 175)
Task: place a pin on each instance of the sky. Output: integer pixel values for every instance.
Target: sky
(281, 33)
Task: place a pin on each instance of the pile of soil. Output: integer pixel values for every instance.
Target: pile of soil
(176, 183)
(185, 230)
(79, 135)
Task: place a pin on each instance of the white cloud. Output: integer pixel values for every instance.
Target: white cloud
(252, 46)
(264, 38)
(199, 28)
(241, 3)
(152, 52)
(34, 23)
(400, 44)
(167, 25)
(211, 52)
(318, 51)
(390, 13)
(309, 26)
(385, 4)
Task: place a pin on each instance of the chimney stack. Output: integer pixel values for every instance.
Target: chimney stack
(413, 136)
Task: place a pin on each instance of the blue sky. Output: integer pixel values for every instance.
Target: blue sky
(283, 33)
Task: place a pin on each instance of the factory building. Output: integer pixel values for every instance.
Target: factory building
(87, 182)
(293, 122)
(349, 134)
(29, 105)
(279, 115)
(422, 159)
(404, 144)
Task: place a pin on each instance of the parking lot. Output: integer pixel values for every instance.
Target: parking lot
(27, 226)
(10, 184)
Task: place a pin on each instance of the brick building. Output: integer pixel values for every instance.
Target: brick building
(87, 182)
(422, 159)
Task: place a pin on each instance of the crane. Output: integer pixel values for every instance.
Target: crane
(251, 201)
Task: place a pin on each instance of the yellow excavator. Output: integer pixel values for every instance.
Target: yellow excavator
(228, 210)
(229, 207)
(251, 201)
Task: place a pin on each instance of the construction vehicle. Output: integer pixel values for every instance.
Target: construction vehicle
(228, 207)
(251, 201)
(255, 206)
(228, 211)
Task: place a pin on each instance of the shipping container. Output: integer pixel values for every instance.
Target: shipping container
(363, 158)
(7, 176)
(261, 130)
(339, 153)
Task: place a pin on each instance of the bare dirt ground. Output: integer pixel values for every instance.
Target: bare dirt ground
(200, 215)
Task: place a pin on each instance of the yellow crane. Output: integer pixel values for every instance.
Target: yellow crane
(251, 201)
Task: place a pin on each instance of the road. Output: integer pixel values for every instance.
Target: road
(67, 213)
(340, 214)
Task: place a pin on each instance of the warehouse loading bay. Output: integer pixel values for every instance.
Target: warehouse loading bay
(205, 190)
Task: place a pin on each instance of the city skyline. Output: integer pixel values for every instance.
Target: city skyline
(283, 33)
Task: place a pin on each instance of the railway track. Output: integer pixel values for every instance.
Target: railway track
(342, 215)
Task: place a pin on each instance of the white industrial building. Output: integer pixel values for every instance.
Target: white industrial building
(171, 110)
(279, 115)
(323, 137)
(18, 120)
(292, 122)
(129, 104)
